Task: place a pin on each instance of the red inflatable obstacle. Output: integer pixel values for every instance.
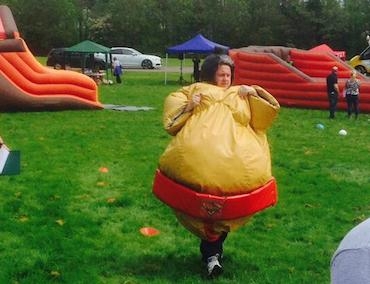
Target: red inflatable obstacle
(325, 48)
(295, 77)
(26, 85)
(211, 207)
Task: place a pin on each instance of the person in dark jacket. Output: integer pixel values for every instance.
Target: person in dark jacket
(333, 91)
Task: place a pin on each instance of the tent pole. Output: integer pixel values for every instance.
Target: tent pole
(181, 80)
(165, 71)
(106, 67)
(182, 71)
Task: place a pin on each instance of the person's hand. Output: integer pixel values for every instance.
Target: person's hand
(1, 141)
(246, 91)
(195, 100)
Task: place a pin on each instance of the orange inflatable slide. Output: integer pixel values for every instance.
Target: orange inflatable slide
(26, 85)
(295, 77)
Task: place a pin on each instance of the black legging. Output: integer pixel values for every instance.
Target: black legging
(208, 249)
(352, 105)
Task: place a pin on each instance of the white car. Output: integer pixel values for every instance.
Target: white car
(131, 58)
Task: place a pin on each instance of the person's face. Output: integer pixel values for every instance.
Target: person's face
(223, 76)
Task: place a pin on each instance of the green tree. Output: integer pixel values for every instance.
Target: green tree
(264, 26)
(126, 22)
(45, 23)
(357, 23)
(153, 25)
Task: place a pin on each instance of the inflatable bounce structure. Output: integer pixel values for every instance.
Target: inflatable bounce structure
(26, 85)
(295, 77)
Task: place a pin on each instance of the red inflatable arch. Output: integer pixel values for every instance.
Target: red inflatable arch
(295, 77)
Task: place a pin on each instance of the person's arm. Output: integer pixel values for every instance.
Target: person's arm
(178, 108)
(336, 87)
(245, 91)
(358, 87)
(264, 109)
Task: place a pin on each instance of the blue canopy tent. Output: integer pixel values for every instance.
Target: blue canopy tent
(199, 45)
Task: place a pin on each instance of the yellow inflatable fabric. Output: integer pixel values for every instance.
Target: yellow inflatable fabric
(220, 147)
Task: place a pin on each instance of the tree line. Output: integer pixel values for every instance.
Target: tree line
(153, 25)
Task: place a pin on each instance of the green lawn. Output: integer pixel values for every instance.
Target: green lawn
(64, 221)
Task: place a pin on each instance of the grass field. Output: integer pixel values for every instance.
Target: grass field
(63, 220)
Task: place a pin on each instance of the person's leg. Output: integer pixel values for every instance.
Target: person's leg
(212, 252)
(335, 102)
(349, 106)
(208, 248)
(332, 105)
(329, 100)
(356, 105)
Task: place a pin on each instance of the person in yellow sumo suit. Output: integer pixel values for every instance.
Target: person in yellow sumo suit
(216, 171)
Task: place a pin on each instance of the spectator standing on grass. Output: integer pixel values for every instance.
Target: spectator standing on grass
(219, 154)
(196, 71)
(117, 70)
(333, 91)
(353, 94)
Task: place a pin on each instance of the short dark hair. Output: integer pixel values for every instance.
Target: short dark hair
(211, 64)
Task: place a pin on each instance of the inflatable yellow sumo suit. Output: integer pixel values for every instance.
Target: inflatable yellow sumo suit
(219, 149)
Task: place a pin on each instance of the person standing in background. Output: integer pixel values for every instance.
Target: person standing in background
(196, 71)
(117, 70)
(352, 94)
(333, 91)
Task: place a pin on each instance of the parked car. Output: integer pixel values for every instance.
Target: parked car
(58, 56)
(362, 62)
(131, 58)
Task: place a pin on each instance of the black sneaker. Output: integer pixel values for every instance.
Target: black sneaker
(214, 267)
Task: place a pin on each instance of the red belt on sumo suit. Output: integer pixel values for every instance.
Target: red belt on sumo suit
(212, 207)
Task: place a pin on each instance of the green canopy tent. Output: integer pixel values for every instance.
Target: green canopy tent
(88, 48)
